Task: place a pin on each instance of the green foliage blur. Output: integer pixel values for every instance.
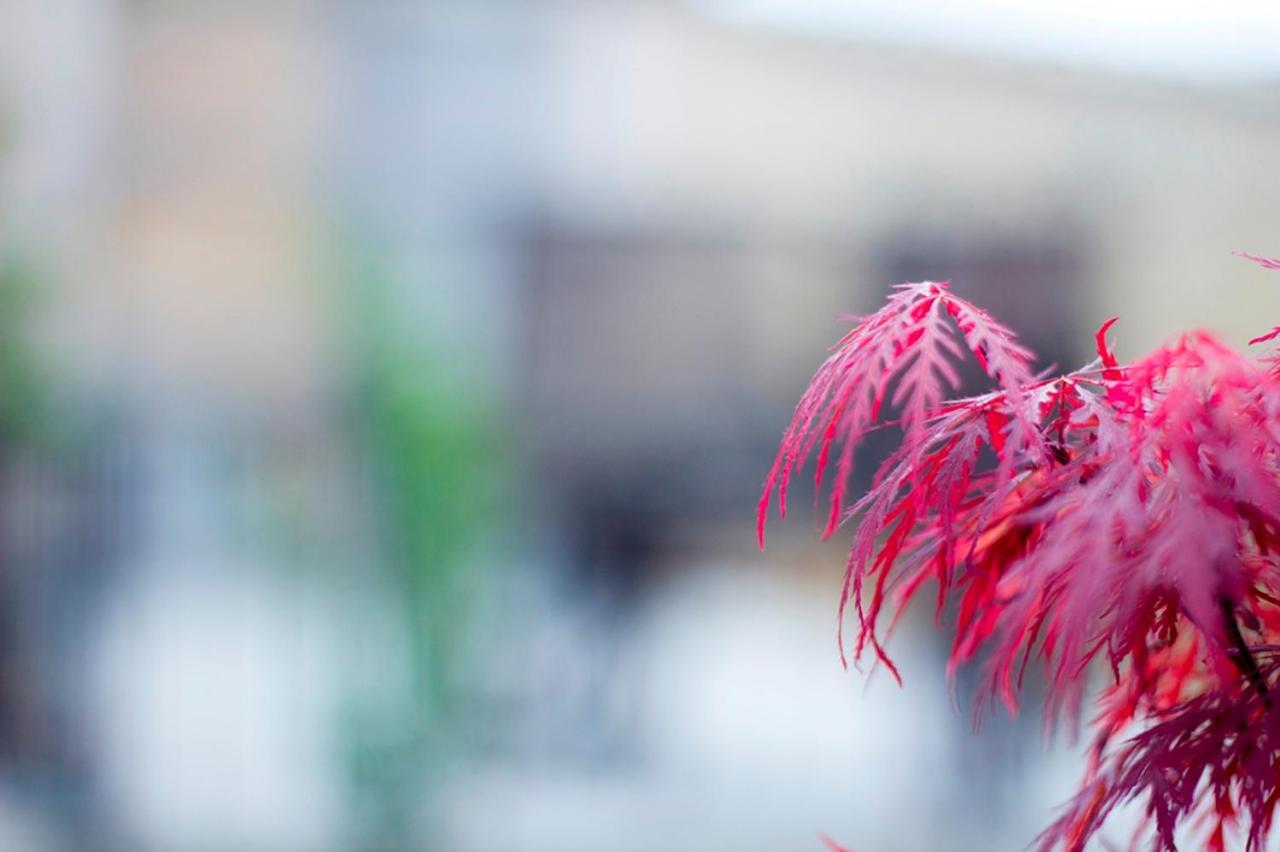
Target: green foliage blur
(23, 409)
(438, 460)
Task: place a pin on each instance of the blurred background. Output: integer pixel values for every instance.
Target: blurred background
(386, 386)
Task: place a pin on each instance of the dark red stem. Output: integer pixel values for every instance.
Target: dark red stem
(1240, 653)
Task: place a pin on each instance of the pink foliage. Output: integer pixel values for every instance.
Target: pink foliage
(1266, 262)
(1127, 515)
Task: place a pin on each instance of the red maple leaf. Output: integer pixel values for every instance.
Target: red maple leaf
(1130, 515)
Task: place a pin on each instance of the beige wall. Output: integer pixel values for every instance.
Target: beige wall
(166, 179)
(657, 113)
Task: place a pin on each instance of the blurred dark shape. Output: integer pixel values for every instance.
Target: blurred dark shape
(641, 364)
(65, 509)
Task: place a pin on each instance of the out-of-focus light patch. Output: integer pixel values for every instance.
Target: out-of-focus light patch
(210, 691)
(1222, 42)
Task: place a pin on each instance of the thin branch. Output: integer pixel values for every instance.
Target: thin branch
(1239, 651)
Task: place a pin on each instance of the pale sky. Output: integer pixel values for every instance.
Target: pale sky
(1209, 41)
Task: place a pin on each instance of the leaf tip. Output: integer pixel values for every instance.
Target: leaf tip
(1264, 262)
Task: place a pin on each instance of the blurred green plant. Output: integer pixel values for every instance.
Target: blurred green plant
(436, 453)
(22, 392)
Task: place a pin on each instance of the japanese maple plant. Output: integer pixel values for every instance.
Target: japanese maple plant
(1121, 518)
